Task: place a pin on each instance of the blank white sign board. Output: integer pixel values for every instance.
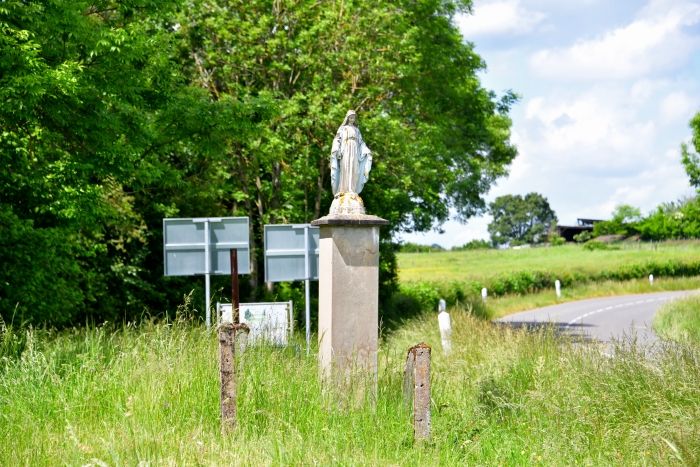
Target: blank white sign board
(268, 322)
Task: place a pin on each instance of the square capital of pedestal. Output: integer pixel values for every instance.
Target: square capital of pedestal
(350, 219)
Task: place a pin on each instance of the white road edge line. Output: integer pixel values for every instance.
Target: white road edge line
(570, 323)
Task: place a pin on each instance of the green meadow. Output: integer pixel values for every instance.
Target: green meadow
(483, 264)
(524, 279)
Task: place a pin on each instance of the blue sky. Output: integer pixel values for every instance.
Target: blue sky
(608, 88)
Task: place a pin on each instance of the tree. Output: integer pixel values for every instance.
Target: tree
(582, 237)
(625, 221)
(690, 158)
(439, 139)
(92, 109)
(518, 220)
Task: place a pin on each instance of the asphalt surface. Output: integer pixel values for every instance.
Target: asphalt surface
(604, 319)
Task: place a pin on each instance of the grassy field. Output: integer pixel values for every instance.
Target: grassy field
(679, 320)
(148, 396)
(480, 264)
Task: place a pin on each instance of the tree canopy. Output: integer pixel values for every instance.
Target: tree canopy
(690, 158)
(116, 114)
(93, 107)
(518, 220)
(439, 139)
(625, 220)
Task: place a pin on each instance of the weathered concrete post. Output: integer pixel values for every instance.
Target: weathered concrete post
(227, 375)
(348, 314)
(417, 388)
(229, 334)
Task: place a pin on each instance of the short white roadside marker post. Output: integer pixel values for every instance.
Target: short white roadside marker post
(484, 294)
(557, 286)
(442, 306)
(651, 279)
(445, 332)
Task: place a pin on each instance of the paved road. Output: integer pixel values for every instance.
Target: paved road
(602, 318)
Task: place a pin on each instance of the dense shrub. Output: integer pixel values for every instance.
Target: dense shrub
(473, 245)
(556, 240)
(47, 261)
(596, 245)
(583, 237)
(673, 220)
(410, 247)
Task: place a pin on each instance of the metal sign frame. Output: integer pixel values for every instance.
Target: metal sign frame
(291, 254)
(191, 245)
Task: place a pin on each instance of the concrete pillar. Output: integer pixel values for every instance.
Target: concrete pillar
(416, 388)
(348, 324)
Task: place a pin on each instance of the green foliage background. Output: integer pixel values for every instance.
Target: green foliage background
(116, 114)
(672, 220)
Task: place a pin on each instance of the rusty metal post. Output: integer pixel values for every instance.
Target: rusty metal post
(227, 374)
(417, 388)
(235, 300)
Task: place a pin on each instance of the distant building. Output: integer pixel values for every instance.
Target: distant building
(567, 232)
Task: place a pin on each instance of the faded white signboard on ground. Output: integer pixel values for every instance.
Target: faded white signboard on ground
(291, 254)
(268, 322)
(203, 245)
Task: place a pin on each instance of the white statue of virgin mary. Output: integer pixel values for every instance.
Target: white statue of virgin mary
(351, 161)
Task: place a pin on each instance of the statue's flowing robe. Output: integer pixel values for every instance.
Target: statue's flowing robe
(351, 161)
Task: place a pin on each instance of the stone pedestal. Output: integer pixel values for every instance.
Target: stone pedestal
(348, 291)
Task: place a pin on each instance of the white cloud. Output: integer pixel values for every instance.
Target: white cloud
(678, 107)
(655, 42)
(499, 17)
(598, 131)
(590, 151)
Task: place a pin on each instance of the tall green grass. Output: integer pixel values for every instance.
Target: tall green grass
(679, 320)
(148, 395)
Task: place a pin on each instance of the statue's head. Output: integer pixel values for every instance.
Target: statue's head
(350, 118)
